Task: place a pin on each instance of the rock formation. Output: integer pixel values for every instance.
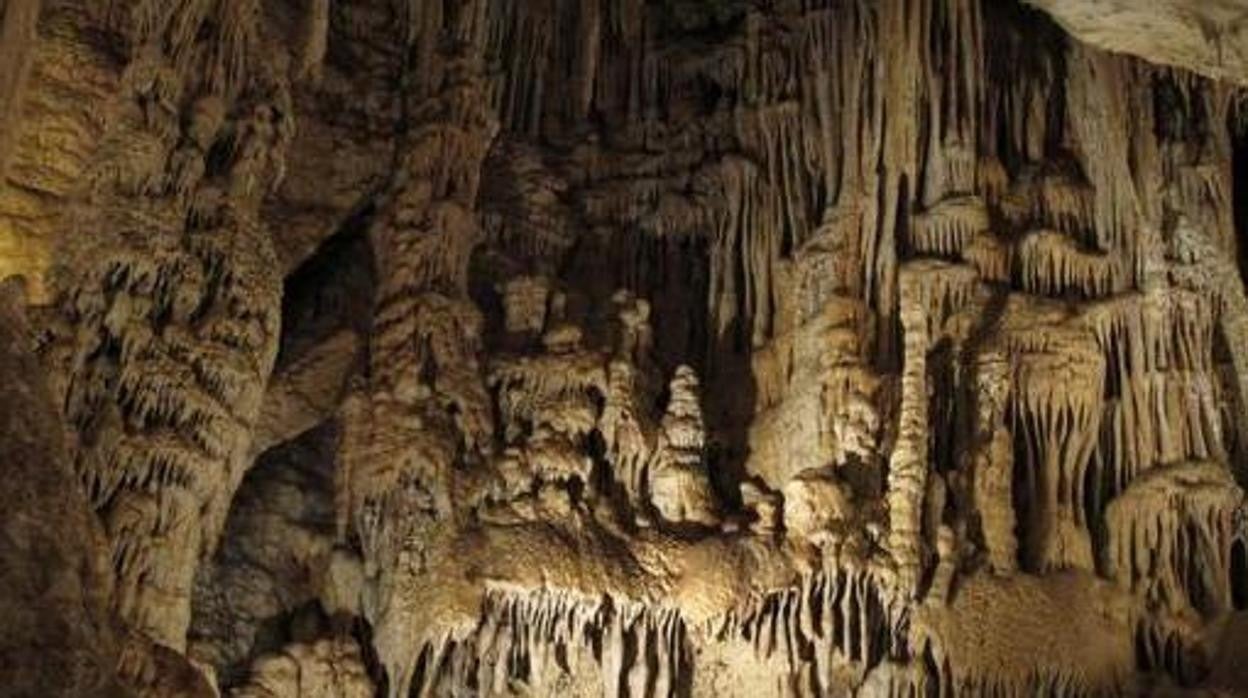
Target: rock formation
(623, 347)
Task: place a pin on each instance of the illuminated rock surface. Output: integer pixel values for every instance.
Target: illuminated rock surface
(622, 347)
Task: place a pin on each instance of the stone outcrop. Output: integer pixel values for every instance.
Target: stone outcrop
(1209, 38)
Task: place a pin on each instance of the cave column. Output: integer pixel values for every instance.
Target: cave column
(907, 467)
(422, 407)
(168, 312)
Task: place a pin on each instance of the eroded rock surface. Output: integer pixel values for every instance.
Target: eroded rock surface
(60, 639)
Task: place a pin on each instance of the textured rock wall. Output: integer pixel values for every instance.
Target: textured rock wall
(60, 640)
(626, 348)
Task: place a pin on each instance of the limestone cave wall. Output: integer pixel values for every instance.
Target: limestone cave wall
(622, 347)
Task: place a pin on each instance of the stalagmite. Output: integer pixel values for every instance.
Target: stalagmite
(993, 462)
(679, 487)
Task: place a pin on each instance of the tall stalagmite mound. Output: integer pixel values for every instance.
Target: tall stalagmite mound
(624, 347)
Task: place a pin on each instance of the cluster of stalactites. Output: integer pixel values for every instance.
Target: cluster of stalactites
(1057, 409)
(1108, 98)
(1160, 392)
(549, 55)
(830, 629)
(224, 65)
(1170, 536)
(1051, 264)
(1097, 400)
(530, 640)
(745, 248)
(1163, 389)
(1169, 543)
(523, 208)
(814, 140)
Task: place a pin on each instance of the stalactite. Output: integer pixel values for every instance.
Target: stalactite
(903, 29)
(949, 227)
(842, 617)
(533, 638)
(1169, 534)
(992, 257)
(1162, 408)
(1099, 99)
(1051, 264)
(521, 33)
(955, 95)
(745, 246)
(1053, 201)
(225, 63)
(1057, 408)
(1023, 85)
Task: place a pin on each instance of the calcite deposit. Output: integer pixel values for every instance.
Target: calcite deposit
(623, 348)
